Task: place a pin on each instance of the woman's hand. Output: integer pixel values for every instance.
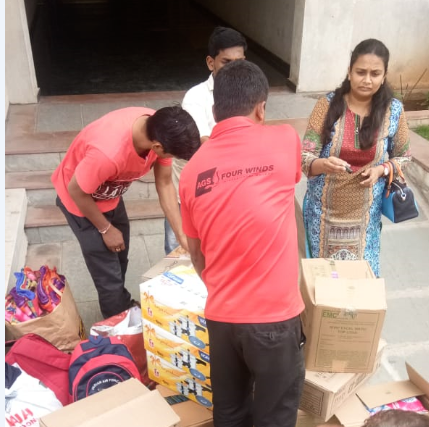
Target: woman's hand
(330, 165)
(372, 175)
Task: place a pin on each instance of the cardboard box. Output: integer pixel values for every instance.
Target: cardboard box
(167, 264)
(175, 301)
(191, 414)
(324, 392)
(176, 351)
(175, 379)
(128, 403)
(345, 306)
(304, 419)
(353, 412)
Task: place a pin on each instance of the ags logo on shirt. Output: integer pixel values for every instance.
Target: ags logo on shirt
(205, 181)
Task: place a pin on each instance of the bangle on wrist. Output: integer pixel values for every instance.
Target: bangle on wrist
(386, 169)
(105, 230)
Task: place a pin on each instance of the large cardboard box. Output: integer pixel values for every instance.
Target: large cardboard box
(345, 306)
(324, 392)
(191, 414)
(176, 351)
(175, 379)
(128, 403)
(353, 412)
(175, 301)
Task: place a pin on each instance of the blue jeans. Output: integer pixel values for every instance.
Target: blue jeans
(170, 241)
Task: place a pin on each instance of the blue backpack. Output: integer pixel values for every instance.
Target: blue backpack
(99, 363)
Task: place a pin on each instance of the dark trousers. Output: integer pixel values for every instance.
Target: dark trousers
(107, 269)
(257, 373)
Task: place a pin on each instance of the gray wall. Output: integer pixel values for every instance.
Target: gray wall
(267, 22)
(326, 31)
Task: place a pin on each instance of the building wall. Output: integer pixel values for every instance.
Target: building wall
(404, 27)
(20, 76)
(326, 32)
(6, 102)
(269, 22)
(321, 43)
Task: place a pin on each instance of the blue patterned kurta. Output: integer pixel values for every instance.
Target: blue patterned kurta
(342, 218)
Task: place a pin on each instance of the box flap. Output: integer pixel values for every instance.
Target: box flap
(191, 414)
(329, 268)
(380, 394)
(122, 404)
(417, 379)
(352, 412)
(166, 264)
(351, 294)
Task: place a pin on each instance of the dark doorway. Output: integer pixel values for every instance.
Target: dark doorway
(123, 46)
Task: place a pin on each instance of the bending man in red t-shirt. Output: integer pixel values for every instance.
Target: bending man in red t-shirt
(100, 165)
(238, 212)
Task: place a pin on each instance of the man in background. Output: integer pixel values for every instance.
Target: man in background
(225, 45)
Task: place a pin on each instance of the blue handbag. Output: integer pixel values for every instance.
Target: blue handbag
(398, 203)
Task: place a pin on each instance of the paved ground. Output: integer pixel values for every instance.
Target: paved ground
(404, 259)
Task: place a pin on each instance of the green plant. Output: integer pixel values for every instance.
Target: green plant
(423, 131)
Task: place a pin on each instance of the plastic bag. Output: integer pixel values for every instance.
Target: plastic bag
(127, 327)
(26, 398)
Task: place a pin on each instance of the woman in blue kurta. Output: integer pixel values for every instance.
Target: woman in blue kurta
(351, 134)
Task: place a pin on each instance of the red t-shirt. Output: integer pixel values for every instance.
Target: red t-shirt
(104, 160)
(237, 195)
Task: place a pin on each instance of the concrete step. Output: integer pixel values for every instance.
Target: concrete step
(30, 152)
(47, 224)
(15, 239)
(38, 151)
(41, 192)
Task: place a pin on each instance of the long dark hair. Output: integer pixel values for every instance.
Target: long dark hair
(379, 103)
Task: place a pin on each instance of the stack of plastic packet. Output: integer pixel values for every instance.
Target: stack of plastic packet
(36, 293)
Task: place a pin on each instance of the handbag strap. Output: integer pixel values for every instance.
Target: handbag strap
(389, 179)
(393, 165)
(398, 169)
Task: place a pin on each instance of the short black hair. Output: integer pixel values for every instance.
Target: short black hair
(224, 38)
(175, 130)
(238, 87)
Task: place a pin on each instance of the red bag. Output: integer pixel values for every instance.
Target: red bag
(42, 360)
(127, 327)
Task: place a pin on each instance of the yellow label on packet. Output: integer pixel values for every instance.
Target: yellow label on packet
(176, 351)
(175, 379)
(175, 301)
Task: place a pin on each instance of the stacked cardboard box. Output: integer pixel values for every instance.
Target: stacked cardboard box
(345, 306)
(175, 333)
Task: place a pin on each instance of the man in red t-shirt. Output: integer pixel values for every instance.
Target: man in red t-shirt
(238, 212)
(100, 165)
